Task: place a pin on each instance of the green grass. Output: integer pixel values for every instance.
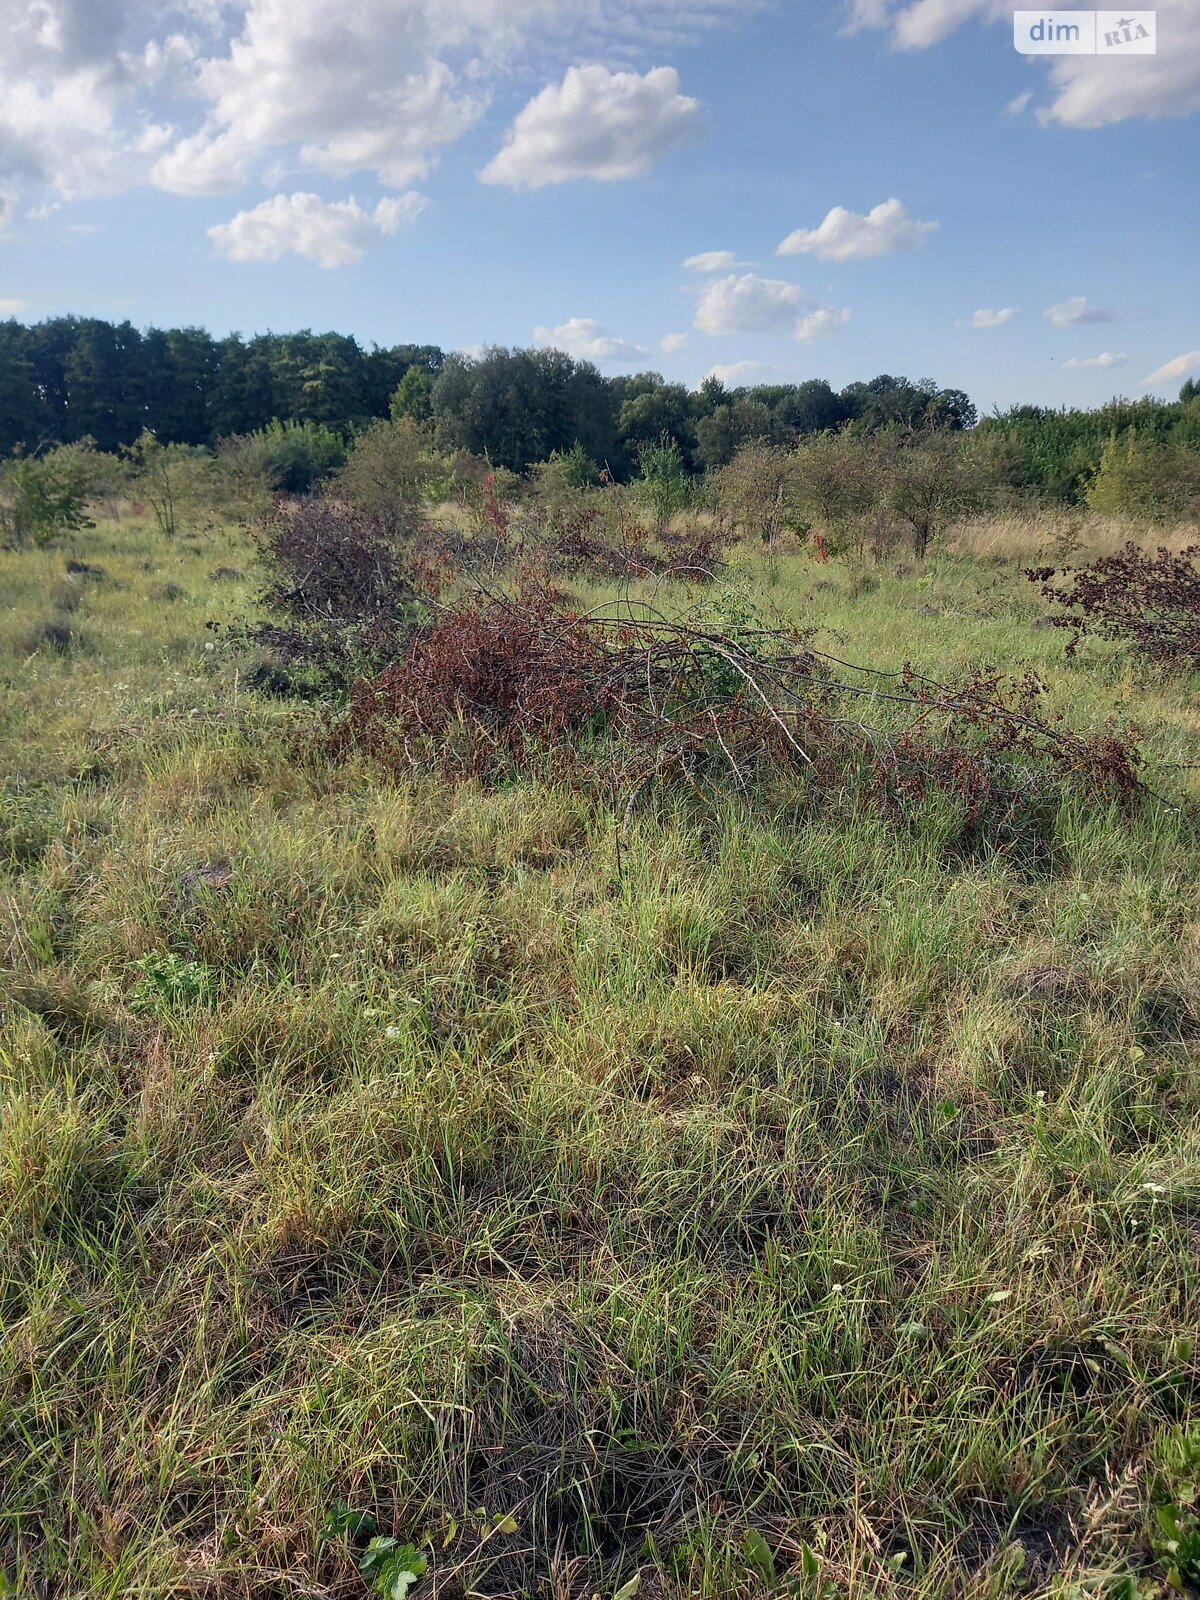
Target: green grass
(807, 1178)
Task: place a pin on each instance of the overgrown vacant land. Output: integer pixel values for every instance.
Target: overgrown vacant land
(780, 1184)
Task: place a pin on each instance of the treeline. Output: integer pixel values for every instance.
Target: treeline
(76, 378)
(73, 379)
(1061, 451)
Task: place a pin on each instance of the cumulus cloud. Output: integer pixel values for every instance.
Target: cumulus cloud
(594, 124)
(817, 324)
(985, 318)
(848, 236)
(1075, 312)
(13, 308)
(1171, 371)
(735, 373)
(672, 343)
(1085, 91)
(587, 340)
(331, 233)
(1106, 358)
(746, 303)
(202, 164)
(200, 95)
(711, 261)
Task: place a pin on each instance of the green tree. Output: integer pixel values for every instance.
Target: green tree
(662, 480)
(414, 396)
(40, 499)
(388, 472)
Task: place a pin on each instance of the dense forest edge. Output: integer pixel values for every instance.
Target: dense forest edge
(72, 380)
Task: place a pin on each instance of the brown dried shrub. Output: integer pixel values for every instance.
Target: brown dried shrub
(1151, 602)
(627, 699)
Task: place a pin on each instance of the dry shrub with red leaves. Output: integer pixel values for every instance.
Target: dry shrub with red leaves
(622, 700)
(1150, 601)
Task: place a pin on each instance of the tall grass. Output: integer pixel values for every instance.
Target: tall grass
(799, 1181)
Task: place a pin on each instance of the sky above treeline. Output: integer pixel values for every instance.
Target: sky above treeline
(771, 191)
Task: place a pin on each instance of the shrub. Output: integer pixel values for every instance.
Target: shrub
(41, 498)
(339, 597)
(290, 456)
(1151, 602)
(175, 480)
(627, 699)
(662, 481)
(835, 488)
(388, 472)
(757, 492)
(1138, 475)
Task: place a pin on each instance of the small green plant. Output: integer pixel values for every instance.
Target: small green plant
(760, 1556)
(391, 1567)
(169, 981)
(1176, 1537)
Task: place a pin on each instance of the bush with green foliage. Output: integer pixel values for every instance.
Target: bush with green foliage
(390, 469)
(662, 482)
(42, 497)
(757, 492)
(1141, 476)
(177, 481)
(290, 457)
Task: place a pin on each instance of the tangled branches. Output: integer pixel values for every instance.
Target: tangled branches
(1150, 601)
(626, 698)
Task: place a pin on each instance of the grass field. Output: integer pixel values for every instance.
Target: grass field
(811, 1206)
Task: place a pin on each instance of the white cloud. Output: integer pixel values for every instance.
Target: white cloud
(13, 308)
(734, 374)
(98, 95)
(587, 340)
(1106, 358)
(985, 318)
(1086, 91)
(1171, 371)
(847, 236)
(594, 124)
(746, 303)
(1019, 103)
(672, 343)
(1074, 312)
(711, 261)
(202, 164)
(331, 233)
(817, 324)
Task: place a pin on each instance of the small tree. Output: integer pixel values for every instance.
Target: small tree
(388, 473)
(930, 480)
(837, 487)
(662, 480)
(246, 475)
(173, 478)
(757, 492)
(41, 498)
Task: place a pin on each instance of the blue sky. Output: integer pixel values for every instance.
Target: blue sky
(510, 171)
